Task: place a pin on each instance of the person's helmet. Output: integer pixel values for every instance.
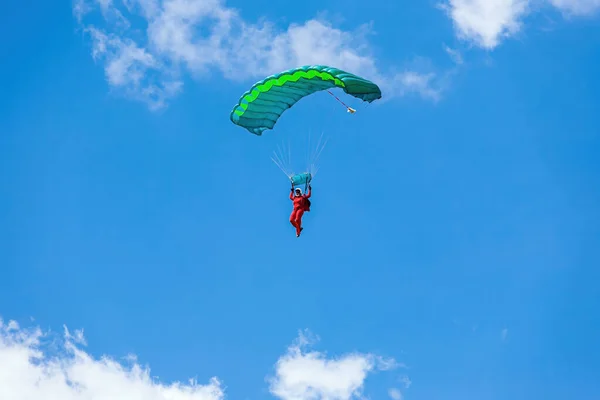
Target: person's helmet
(298, 190)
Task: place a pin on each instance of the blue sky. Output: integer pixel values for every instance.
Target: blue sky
(452, 248)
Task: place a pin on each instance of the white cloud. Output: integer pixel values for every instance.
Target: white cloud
(395, 394)
(504, 334)
(302, 375)
(577, 7)
(133, 69)
(40, 366)
(29, 372)
(485, 23)
(205, 36)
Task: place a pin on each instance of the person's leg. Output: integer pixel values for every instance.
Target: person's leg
(299, 221)
(293, 218)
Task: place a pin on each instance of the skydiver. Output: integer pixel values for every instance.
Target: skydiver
(301, 204)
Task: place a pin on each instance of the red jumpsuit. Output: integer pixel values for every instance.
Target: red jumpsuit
(300, 206)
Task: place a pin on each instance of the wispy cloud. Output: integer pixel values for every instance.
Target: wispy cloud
(485, 23)
(36, 365)
(504, 334)
(148, 61)
(395, 394)
(454, 55)
(405, 381)
(577, 7)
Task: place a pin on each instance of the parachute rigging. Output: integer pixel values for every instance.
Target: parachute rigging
(282, 158)
(262, 105)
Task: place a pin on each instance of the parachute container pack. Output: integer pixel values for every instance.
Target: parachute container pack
(301, 179)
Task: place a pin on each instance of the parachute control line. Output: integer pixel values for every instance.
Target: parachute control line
(349, 109)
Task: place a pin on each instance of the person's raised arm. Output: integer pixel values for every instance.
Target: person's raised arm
(309, 192)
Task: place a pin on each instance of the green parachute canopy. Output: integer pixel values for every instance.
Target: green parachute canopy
(260, 107)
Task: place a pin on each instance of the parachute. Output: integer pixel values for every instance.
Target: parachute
(260, 107)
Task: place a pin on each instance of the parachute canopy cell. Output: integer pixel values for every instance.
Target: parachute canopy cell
(260, 107)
